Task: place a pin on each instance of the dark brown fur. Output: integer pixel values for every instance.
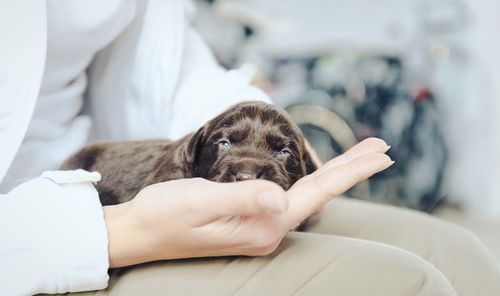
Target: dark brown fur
(251, 140)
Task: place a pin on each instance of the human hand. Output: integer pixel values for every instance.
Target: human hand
(199, 218)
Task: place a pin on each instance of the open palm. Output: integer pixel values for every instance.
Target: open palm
(199, 218)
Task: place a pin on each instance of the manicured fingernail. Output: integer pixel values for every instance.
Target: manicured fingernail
(272, 203)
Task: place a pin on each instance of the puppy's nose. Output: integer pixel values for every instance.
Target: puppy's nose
(245, 176)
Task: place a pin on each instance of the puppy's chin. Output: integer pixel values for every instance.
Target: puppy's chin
(227, 177)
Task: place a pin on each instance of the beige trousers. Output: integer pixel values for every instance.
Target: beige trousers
(352, 248)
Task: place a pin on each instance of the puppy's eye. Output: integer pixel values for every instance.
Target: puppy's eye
(224, 144)
(284, 152)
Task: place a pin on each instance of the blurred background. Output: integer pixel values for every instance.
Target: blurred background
(424, 75)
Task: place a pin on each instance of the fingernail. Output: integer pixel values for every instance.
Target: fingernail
(272, 203)
(389, 164)
(387, 148)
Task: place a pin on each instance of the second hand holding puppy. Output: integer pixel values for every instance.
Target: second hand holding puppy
(200, 218)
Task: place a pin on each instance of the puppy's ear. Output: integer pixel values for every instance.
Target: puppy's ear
(309, 163)
(194, 145)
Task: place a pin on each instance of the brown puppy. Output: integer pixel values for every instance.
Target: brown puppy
(251, 140)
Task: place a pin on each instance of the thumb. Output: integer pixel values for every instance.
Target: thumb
(253, 197)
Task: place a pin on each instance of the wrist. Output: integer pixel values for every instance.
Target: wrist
(126, 245)
(115, 211)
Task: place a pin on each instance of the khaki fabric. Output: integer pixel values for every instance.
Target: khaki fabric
(466, 262)
(351, 248)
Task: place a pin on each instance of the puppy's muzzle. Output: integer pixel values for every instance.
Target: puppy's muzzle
(241, 176)
(247, 169)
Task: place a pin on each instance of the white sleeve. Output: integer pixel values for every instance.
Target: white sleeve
(205, 88)
(159, 79)
(54, 238)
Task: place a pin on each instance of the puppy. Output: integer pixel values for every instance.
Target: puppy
(251, 140)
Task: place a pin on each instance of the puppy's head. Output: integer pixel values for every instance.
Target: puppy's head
(251, 140)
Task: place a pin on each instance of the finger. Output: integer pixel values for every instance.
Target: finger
(245, 198)
(367, 146)
(305, 198)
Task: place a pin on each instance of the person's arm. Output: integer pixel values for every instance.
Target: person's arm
(53, 236)
(205, 88)
(159, 78)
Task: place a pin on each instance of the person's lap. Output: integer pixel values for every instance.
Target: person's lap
(351, 248)
(305, 264)
(338, 256)
(457, 253)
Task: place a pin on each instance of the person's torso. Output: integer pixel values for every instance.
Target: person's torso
(76, 31)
